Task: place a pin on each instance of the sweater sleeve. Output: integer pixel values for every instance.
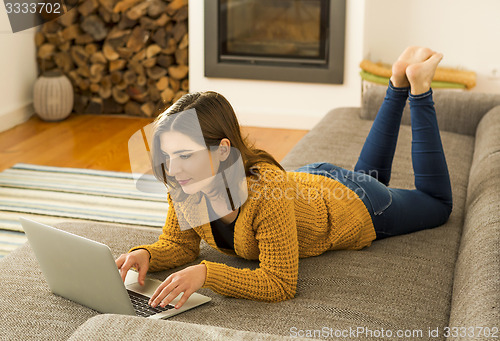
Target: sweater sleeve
(174, 246)
(276, 277)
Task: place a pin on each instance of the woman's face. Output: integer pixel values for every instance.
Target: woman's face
(188, 161)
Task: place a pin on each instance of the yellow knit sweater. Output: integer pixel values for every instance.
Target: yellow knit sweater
(286, 217)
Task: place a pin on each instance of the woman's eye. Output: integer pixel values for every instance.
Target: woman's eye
(185, 156)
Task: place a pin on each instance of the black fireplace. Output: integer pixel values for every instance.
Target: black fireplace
(286, 40)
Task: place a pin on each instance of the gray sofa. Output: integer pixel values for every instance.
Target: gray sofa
(417, 283)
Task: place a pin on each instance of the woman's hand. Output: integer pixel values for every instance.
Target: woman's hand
(138, 259)
(187, 280)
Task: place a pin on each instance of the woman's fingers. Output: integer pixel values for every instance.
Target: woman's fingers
(158, 291)
(170, 295)
(183, 299)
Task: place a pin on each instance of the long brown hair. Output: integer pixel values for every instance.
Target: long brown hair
(217, 120)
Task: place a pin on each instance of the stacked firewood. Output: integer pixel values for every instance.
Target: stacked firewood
(122, 56)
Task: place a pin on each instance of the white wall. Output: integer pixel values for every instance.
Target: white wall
(281, 104)
(18, 73)
(466, 32)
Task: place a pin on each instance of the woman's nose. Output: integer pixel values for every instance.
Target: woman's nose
(173, 166)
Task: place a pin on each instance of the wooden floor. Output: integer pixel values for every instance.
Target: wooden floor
(101, 142)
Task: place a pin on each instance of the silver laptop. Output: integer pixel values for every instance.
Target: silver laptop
(84, 271)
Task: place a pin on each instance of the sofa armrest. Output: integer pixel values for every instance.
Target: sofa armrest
(122, 327)
(457, 111)
(476, 287)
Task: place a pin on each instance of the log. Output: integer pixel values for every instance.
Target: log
(156, 72)
(84, 39)
(79, 55)
(171, 46)
(65, 46)
(94, 26)
(129, 77)
(139, 56)
(160, 38)
(167, 95)
(138, 11)
(137, 93)
(182, 14)
(141, 80)
(162, 83)
(119, 96)
(179, 30)
(46, 51)
(87, 7)
(183, 44)
(152, 50)
(91, 49)
(124, 52)
(165, 61)
(148, 23)
(174, 84)
(116, 77)
(109, 52)
(178, 71)
(124, 5)
(68, 18)
(98, 57)
(71, 32)
(39, 39)
(175, 5)
(185, 85)
(63, 61)
(117, 64)
(94, 87)
(157, 8)
(138, 39)
(162, 20)
(149, 63)
(96, 72)
(107, 4)
(181, 56)
(148, 109)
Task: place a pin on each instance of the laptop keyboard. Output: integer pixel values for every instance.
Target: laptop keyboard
(141, 306)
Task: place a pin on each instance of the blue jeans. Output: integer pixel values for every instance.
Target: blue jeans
(396, 211)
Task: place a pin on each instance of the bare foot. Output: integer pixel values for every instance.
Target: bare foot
(411, 55)
(420, 75)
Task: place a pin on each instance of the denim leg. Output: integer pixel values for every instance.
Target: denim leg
(430, 204)
(429, 161)
(378, 150)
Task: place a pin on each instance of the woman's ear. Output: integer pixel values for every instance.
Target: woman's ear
(224, 149)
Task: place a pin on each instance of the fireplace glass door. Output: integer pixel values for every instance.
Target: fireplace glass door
(274, 31)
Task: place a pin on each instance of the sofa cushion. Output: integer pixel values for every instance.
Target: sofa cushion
(476, 290)
(117, 327)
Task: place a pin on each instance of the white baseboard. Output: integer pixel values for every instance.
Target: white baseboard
(12, 118)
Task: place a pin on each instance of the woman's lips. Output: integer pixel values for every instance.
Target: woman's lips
(183, 182)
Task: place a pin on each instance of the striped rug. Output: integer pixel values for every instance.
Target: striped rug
(54, 194)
